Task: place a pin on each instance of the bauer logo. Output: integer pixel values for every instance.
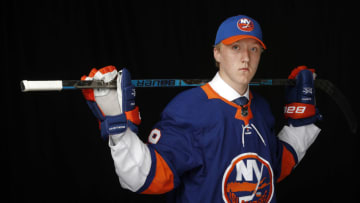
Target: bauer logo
(245, 24)
(249, 178)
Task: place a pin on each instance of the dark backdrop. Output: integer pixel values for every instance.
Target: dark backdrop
(51, 149)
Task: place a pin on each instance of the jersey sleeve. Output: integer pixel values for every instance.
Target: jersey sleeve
(292, 145)
(172, 146)
(299, 138)
(286, 160)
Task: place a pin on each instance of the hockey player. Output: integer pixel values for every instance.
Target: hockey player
(214, 143)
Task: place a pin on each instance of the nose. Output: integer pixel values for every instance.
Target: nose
(245, 56)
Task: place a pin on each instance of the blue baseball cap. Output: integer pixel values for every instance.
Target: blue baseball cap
(237, 28)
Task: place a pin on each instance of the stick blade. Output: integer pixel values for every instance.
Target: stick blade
(340, 100)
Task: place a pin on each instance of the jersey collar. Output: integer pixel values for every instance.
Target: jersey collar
(224, 90)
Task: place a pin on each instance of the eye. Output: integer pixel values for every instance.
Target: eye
(235, 47)
(254, 49)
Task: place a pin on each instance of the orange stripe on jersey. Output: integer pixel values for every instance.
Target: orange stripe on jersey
(210, 92)
(213, 95)
(163, 180)
(246, 118)
(287, 164)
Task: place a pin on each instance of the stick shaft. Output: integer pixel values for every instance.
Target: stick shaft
(200, 82)
(57, 85)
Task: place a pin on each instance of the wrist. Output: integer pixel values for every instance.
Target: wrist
(112, 125)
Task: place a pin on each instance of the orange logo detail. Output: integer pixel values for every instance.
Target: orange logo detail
(245, 24)
(249, 178)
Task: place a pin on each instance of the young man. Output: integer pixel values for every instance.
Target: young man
(214, 143)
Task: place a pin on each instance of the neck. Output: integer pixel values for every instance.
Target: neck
(240, 88)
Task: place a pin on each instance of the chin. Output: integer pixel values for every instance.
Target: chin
(245, 78)
(244, 81)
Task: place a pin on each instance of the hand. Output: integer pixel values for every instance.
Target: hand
(300, 108)
(114, 108)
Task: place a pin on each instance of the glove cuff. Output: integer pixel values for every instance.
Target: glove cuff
(296, 122)
(113, 125)
(117, 124)
(299, 110)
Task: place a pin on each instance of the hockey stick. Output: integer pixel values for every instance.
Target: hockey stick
(57, 85)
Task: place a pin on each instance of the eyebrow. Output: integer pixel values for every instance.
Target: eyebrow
(255, 42)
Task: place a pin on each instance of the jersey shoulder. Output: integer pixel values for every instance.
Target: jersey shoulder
(260, 100)
(261, 108)
(188, 102)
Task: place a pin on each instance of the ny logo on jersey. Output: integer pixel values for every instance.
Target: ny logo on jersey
(248, 178)
(247, 171)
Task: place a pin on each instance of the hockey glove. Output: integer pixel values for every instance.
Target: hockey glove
(114, 108)
(300, 99)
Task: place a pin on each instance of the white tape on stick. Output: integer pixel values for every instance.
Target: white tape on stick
(47, 85)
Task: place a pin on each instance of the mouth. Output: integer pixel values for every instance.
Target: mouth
(243, 69)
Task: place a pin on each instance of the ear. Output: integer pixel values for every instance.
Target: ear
(217, 54)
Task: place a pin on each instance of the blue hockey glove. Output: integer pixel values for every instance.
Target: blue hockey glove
(114, 108)
(300, 99)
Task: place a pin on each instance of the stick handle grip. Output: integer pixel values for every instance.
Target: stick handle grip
(45, 85)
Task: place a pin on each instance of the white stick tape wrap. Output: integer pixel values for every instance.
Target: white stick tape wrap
(49, 85)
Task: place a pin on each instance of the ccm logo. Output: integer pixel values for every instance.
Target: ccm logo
(295, 109)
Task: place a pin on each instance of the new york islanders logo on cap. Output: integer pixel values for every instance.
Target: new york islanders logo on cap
(249, 178)
(245, 25)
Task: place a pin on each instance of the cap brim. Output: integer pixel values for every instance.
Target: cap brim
(236, 38)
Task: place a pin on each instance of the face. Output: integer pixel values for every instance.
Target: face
(238, 62)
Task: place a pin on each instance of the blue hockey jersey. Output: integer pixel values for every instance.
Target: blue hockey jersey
(204, 149)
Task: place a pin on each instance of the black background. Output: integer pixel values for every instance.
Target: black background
(51, 149)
